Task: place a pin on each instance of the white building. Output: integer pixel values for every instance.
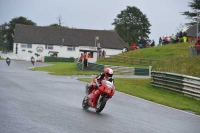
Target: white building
(64, 42)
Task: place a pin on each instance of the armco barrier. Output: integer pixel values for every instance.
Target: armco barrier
(117, 69)
(141, 71)
(79, 66)
(184, 84)
(96, 67)
(58, 59)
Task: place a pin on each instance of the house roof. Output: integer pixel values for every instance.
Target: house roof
(65, 36)
(192, 31)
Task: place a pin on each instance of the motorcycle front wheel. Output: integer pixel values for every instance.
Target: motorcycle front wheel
(101, 103)
(85, 103)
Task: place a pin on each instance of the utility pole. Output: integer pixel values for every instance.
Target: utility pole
(59, 20)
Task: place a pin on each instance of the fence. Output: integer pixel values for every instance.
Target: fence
(194, 50)
(184, 84)
(79, 66)
(129, 60)
(58, 59)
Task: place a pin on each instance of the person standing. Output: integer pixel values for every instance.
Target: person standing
(160, 41)
(81, 58)
(197, 46)
(103, 54)
(85, 59)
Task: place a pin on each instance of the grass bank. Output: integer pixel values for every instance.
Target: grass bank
(143, 89)
(173, 58)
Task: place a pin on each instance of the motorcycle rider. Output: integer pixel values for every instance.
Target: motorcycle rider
(32, 60)
(106, 75)
(8, 60)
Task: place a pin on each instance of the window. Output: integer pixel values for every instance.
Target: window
(26, 45)
(29, 45)
(48, 46)
(23, 45)
(70, 48)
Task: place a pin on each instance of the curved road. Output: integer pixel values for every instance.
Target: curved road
(36, 102)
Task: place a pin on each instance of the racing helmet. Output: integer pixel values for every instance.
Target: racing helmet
(108, 73)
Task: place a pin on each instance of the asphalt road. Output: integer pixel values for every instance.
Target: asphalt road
(36, 102)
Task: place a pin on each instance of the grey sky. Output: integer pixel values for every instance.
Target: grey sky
(164, 15)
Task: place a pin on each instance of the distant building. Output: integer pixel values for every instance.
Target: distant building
(192, 33)
(64, 42)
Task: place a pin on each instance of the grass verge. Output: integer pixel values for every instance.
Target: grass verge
(63, 68)
(143, 89)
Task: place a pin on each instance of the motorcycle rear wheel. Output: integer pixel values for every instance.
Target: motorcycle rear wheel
(85, 103)
(101, 104)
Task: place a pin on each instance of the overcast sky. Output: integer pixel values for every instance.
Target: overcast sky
(163, 15)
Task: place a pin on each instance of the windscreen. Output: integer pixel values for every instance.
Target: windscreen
(108, 83)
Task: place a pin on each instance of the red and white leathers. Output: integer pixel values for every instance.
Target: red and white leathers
(106, 75)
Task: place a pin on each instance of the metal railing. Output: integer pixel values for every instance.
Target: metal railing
(129, 60)
(117, 69)
(194, 50)
(184, 84)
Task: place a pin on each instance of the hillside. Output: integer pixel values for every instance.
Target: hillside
(173, 58)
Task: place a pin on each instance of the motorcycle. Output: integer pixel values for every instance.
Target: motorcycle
(98, 97)
(33, 61)
(8, 61)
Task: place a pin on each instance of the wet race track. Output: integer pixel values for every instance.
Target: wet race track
(36, 102)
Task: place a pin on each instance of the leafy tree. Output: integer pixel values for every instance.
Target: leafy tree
(2, 32)
(195, 5)
(8, 30)
(55, 25)
(132, 25)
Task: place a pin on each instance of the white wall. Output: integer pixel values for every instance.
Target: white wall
(112, 51)
(63, 52)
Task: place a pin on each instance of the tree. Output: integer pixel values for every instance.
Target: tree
(57, 25)
(8, 30)
(132, 25)
(2, 32)
(195, 5)
(54, 25)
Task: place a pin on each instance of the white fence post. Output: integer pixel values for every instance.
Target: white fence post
(150, 67)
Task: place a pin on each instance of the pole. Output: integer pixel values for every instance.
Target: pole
(197, 26)
(95, 42)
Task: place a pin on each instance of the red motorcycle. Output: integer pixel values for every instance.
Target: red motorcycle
(98, 97)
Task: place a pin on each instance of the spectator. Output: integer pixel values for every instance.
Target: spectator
(184, 36)
(141, 46)
(197, 46)
(148, 44)
(81, 58)
(133, 47)
(100, 53)
(181, 34)
(124, 49)
(85, 59)
(160, 41)
(152, 43)
(103, 54)
(89, 55)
